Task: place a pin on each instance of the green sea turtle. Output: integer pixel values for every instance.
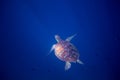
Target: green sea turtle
(66, 51)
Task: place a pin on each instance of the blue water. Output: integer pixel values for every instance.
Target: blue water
(27, 34)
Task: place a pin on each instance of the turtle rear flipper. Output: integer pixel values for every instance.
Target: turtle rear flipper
(67, 65)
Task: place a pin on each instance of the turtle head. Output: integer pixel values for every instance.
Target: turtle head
(57, 37)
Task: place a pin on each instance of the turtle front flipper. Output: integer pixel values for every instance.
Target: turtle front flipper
(79, 61)
(71, 37)
(67, 65)
(52, 48)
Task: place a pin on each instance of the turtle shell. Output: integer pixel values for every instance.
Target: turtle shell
(66, 51)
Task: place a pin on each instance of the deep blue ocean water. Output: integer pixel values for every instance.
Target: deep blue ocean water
(27, 29)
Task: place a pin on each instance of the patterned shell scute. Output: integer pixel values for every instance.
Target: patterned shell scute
(66, 51)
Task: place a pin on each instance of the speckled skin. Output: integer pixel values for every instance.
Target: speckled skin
(66, 51)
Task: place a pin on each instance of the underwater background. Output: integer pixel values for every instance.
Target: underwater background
(27, 29)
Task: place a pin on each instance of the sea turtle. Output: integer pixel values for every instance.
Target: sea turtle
(66, 51)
